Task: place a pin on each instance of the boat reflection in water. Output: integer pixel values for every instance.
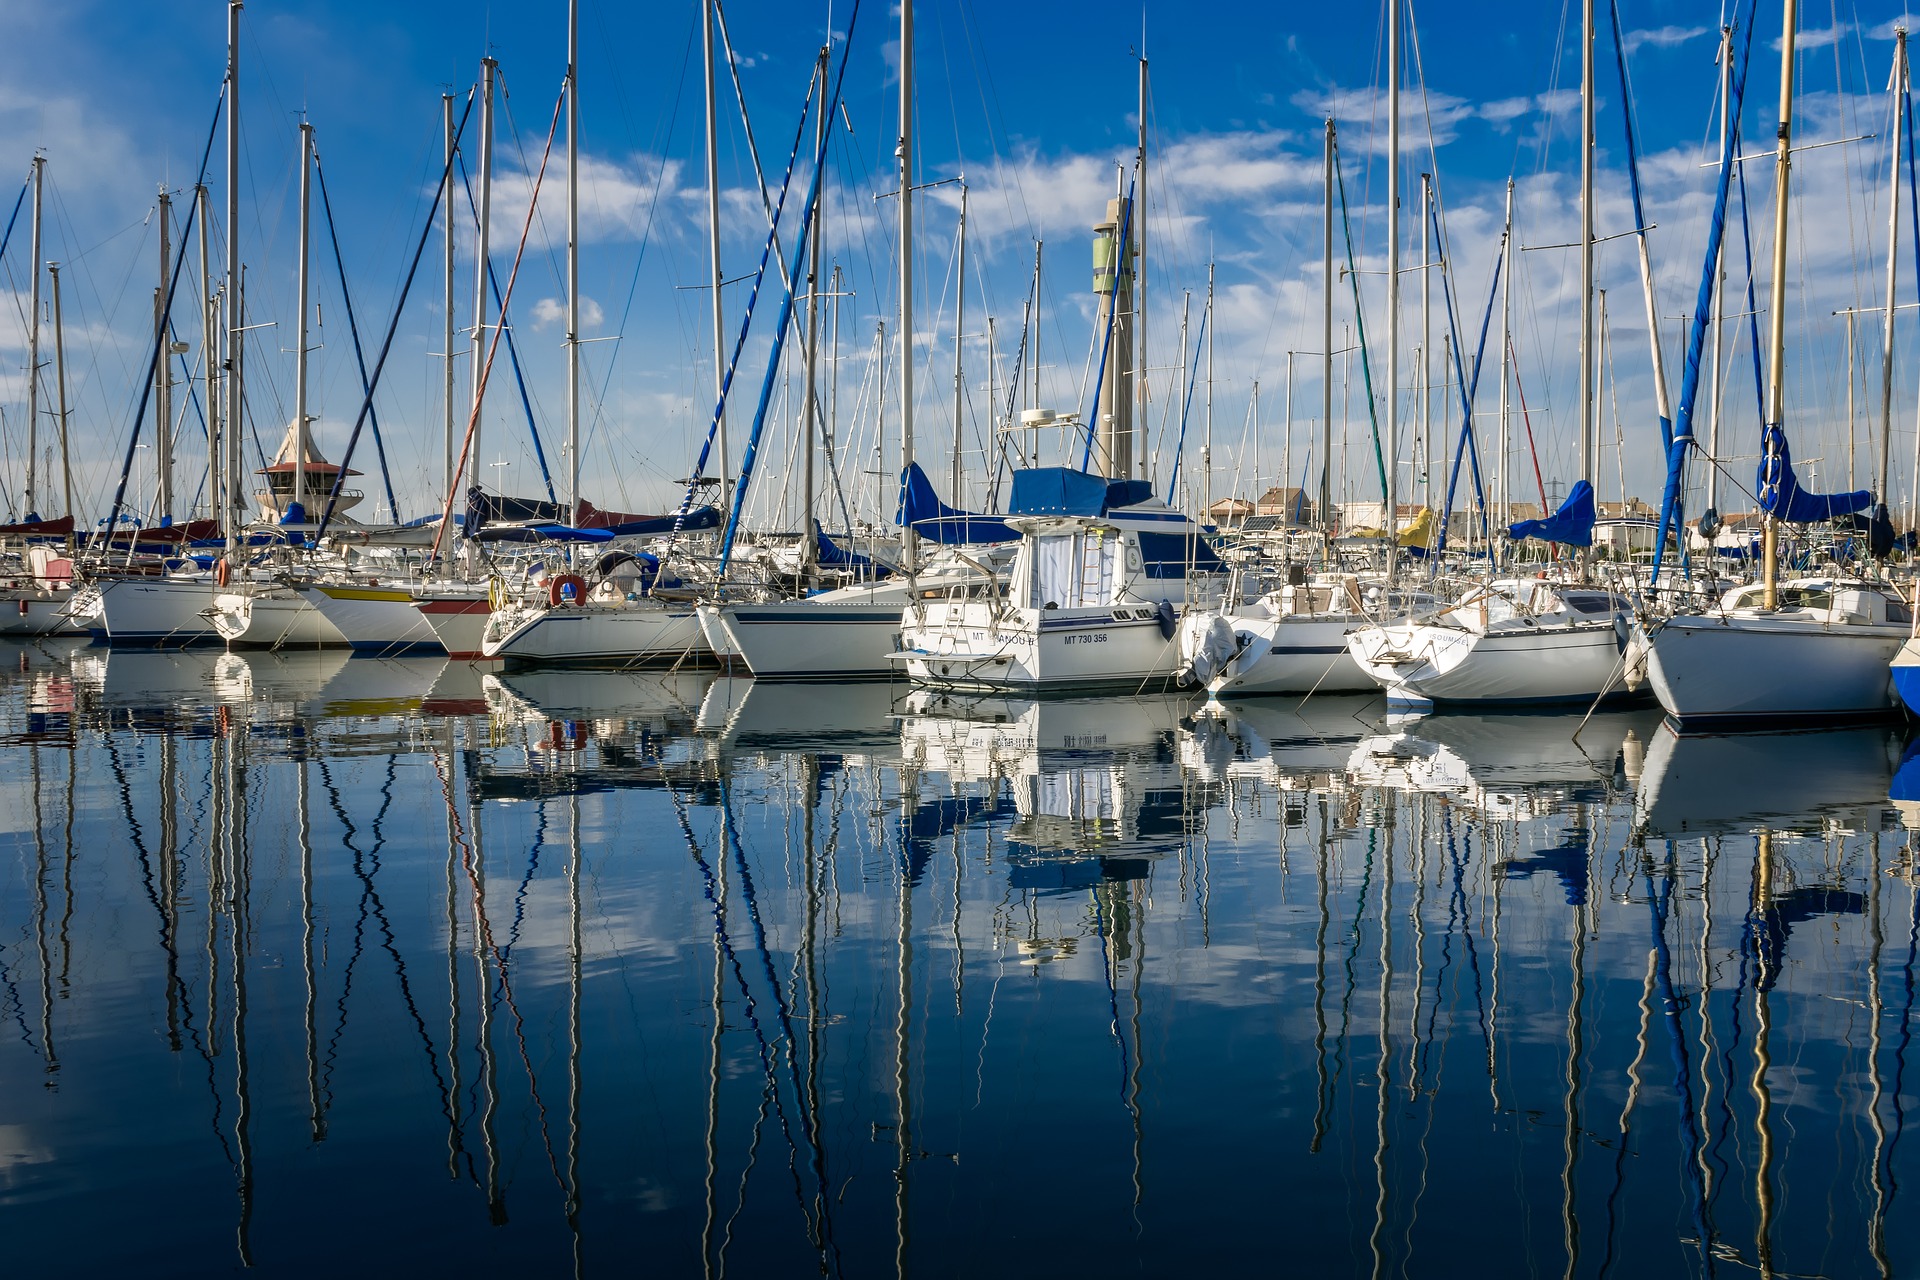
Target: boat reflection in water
(305, 962)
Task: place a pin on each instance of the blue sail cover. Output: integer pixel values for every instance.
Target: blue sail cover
(1781, 495)
(1572, 524)
(707, 517)
(829, 554)
(1057, 491)
(923, 512)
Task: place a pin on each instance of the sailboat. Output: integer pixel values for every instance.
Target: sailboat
(172, 609)
(1807, 649)
(1517, 641)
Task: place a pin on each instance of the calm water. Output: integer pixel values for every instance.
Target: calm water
(323, 966)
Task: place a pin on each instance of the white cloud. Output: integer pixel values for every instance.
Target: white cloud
(1661, 37)
(551, 311)
(1818, 37)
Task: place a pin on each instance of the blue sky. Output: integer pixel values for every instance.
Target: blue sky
(1035, 106)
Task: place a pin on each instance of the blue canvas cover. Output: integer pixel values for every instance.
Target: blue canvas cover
(829, 554)
(923, 512)
(699, 518)
(1057, 491)
(1572, 524)
(1781, 495)
(542, 532)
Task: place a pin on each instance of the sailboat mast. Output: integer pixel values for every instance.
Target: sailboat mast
(210, 347)
(959, 342)
(909, 548)
(236, 513)
(1326, 341)
(162, 373)
(809, 435)
(1426, 339)
(60, 389)
(33, 348)
(1206, 450)
(446, 318)
(300, 328)
(713, 242)
(482, 249)
(1719, 288)
(1587, 401)
(1505, 492)
(1390, 507)
(1882, 481)
(573, 262)
(1776, 310)
(1138, 450)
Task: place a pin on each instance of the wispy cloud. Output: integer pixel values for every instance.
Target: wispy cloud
(1661, 37)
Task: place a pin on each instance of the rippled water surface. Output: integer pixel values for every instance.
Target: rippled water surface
(325, 966)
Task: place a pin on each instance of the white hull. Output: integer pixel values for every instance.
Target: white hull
(458, 621)
(619, 635)
(964, 646)
(805, 640)
(1291, 654)
(1419, 663)
(1757, 668)
(28, 612)
(158, 611)
(373, 619)
(272, 618)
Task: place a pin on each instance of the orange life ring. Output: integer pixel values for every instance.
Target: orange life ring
(557, 590)
(222, 572)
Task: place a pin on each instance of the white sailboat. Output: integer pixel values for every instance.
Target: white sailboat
(1809, 649)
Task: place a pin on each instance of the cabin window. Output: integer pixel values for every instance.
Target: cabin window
(1073, 570)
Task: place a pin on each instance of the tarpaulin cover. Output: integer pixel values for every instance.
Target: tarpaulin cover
(1781, 495)
(1572, 524)
(923, 512)
(831, 555)
(1057, 491)
(541, 531)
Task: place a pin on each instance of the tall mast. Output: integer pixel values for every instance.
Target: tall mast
(162, 374)
(1719, 282)
(959, 341)
(1776, 309)
(210, 347)
(482, 248)
(236, 511)
(909, 548)
(810, 545)
(60, 389)
(1587, 400)
(1145, 370)
(573, 261)
(300, 329)
(1326, 341)
(1505, 492)
(33, 348)
(1426, 338)
(1391, 507)
(1206, 450)
(1882, 480)
(446, 234)
(713, 241)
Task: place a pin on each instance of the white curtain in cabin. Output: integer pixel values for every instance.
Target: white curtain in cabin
(1056, 571)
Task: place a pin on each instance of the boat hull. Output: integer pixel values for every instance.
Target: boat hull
(1067, 651)
(458, 622)
(1420, 664)
(599, 636)
(1296, 654)
(27, 612)
(275, 618)
(165, 612)
(800, 640)
(1727, 671)
(379, 620)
